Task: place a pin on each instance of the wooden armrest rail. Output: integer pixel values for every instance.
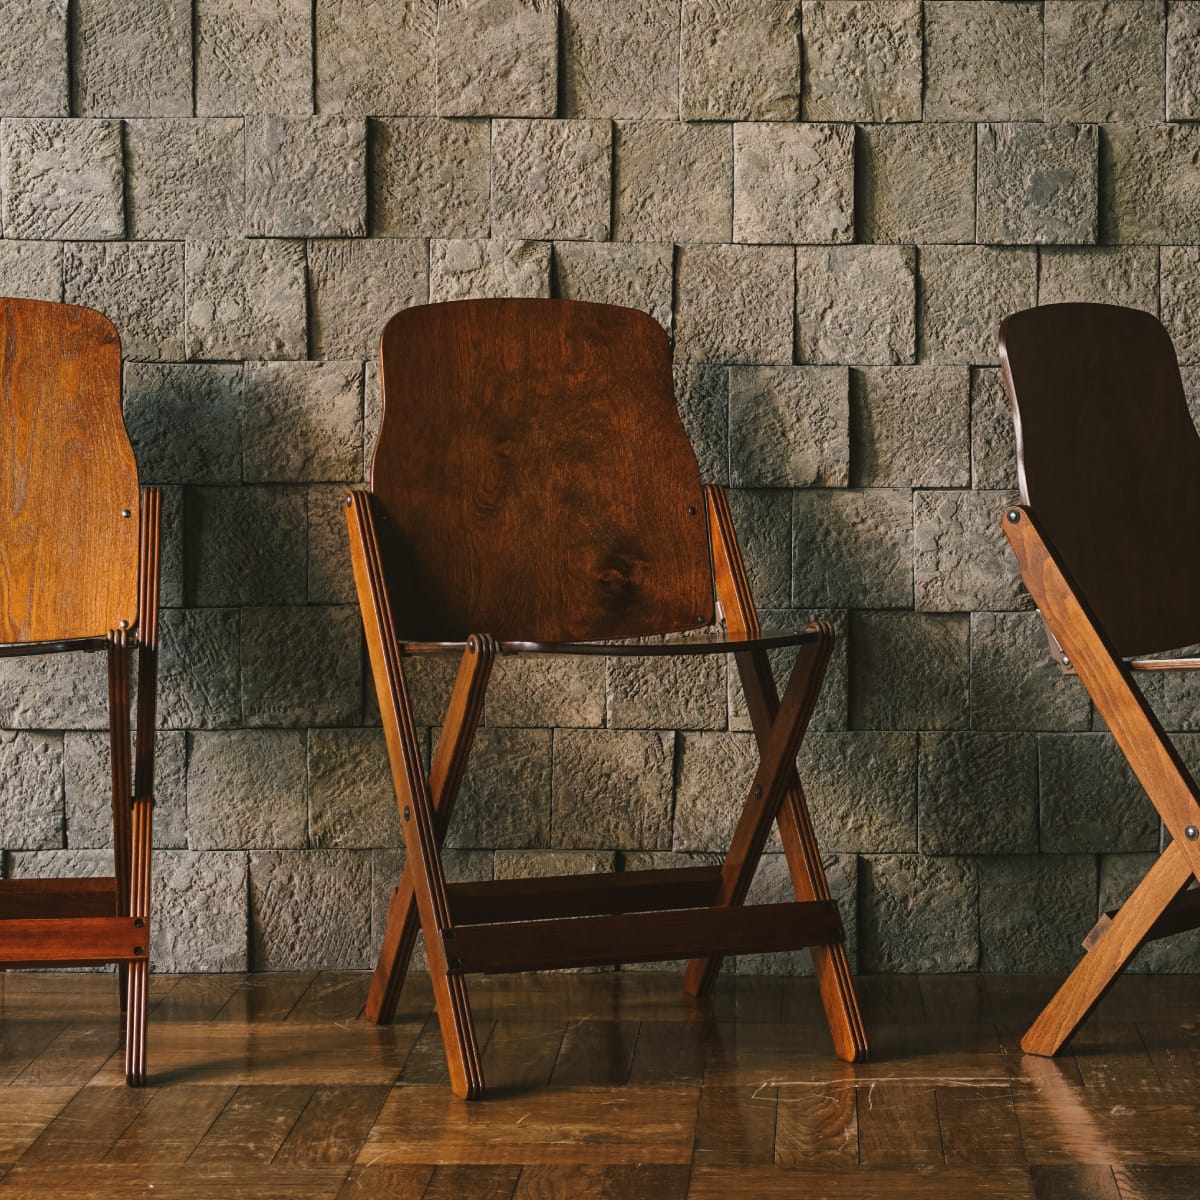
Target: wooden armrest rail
(719, 643)
(50, 941)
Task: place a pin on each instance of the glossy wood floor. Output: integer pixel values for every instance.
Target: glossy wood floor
(602, 1085)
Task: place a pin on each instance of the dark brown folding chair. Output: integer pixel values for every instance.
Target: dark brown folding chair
(533, 492)
(1108, 540)
(79, 554)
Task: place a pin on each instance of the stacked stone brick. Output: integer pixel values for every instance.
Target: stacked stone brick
(829, 205)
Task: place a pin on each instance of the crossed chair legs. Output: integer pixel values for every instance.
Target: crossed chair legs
(637, 916)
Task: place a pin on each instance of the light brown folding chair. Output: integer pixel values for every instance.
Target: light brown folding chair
(1108, 540)
(79, 572)
(533, 492)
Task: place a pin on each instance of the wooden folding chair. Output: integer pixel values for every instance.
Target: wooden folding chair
(79, 550)
(533, 492)
(1108, 540)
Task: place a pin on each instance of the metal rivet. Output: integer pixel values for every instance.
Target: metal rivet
(1014, 515)
(349, 500)
(139, 950)
(691, 510)
(1191, 833)
(471, 645)
(757, 791)
(138, 923)
(1066, 661)
(456, 962)
(406, 812)
(123, 624)
(126, 512)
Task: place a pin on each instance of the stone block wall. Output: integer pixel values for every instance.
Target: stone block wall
(829, 205)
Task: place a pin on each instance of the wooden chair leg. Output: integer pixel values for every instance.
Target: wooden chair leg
(121, 772)
(1099, 968)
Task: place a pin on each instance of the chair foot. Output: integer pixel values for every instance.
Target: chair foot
(135, 1026)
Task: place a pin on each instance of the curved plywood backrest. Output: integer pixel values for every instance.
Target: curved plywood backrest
(532, 477)
(68, 557)
(1109, 464)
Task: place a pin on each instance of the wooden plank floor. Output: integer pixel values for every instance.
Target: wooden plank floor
(601, 1085)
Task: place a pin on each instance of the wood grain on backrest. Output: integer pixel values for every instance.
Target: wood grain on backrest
(68, 558)
(1109, 463)
(532, 475)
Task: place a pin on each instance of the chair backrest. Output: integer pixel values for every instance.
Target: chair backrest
(1109, 464)
(532, 475)
(68, 557)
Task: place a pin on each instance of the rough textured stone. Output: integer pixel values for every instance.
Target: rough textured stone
(170, 583)
(184, 421)
(856, 304)
(551, 179)
(245, 299)
(1037, 184)
(789, 426)
(375, 58)
(1180, 303)
(133, 60)
(734, 304)
(350, 798)
(200, 916)
(1174, 696)
(719, 38)
(430, 178)
(830, 712)
(712, 781)
(667, 693)
(497, 58)
(763, 520)
(620, 58)
(504, 802)
(199, 669)
(993, 446)
(31, 270)
(301, 666)
(253, 57)
(1015, 684)
(463, 270)
(1152, 184)
(306, 176)
(961, 560)
(241, 546)
(536, 691)
(31, 791)
(87, 785)
(965, 292)
(1100, 275)
(773, 885)
(910, 427)
(702, 393)
(1105, 61)
(302, 421)
(983, 61)
(908, 670)
(1090, 799)
(616, 273)
(1119, 875)
(310, 910)
(54, 691)
(862, 60)
(612, 788)
(138, 286)
(185, 178)
(852, 548)
(918, 913)
(246, 788)
(33, 59)
(62, 179)
(347, 318)
(793, 183)
(916, 183)
(1033, 909)
(673, 182)
(330, 578)
(999, 772)
(1183, 71)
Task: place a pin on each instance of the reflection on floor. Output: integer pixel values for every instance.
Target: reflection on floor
(600, 1085)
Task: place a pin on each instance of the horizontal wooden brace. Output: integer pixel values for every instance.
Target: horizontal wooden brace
(641, 937)
(499, 900)
(77, 940)
(1182, 914)
(49, 898)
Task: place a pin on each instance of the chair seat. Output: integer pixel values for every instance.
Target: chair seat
(724, 642)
